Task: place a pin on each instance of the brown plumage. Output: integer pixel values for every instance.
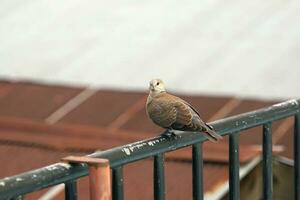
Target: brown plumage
(171, 112)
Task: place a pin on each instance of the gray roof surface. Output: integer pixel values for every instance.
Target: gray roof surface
(242, 48)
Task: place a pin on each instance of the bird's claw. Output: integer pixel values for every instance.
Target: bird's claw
(169, 134)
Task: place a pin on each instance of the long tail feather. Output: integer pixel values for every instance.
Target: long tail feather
(211, 134)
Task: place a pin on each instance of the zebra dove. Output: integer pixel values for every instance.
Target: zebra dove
(173, 113)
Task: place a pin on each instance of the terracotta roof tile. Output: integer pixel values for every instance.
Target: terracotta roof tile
(102, 108)
(31, 100)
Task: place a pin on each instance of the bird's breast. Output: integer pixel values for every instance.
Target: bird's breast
(160, 113)
(154, 110)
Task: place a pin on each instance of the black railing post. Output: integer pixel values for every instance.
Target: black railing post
(71, 190)
(234, 166)
(297, 156)
(117, 183)
(267, 162)
(197, 172)
(159, 177)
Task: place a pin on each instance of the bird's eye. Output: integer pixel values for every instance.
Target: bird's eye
(157, 83)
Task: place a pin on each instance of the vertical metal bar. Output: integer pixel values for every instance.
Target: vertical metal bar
(197, 172)
(234, 165)
(159, 177)
(297, 156)
(117, 186)
(267, 162)
(71, 190)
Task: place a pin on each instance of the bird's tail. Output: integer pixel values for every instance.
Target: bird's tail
(211, 134)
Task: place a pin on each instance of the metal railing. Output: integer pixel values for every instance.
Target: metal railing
(13, 187)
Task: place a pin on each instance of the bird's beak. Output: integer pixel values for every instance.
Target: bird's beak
(151, 87)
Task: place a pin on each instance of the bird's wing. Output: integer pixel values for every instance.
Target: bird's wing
(178, 111)
(202, 123)
(188, 116)
(195, 114)
(196, 120)
(168, 116)
(183, 113)
(191, 107)
(189, 119)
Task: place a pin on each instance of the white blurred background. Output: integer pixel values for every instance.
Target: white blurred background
(241, 48)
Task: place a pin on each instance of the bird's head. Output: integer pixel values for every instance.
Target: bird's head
(157, 86)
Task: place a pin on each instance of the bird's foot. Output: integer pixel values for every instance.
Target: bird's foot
(169, 134)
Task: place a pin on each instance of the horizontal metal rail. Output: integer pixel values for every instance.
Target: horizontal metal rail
(119, 156)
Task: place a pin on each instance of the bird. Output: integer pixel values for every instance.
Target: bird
(173, 113)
